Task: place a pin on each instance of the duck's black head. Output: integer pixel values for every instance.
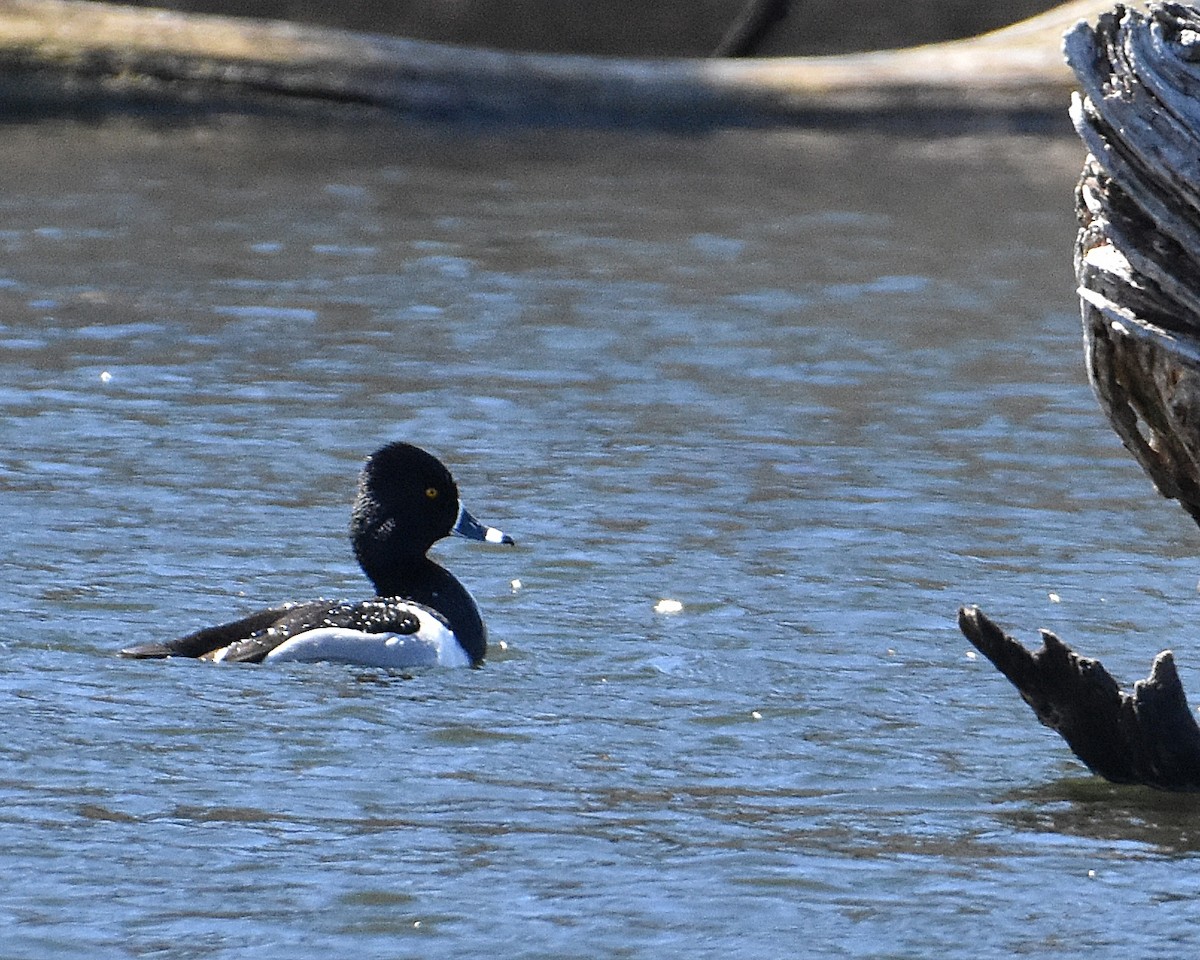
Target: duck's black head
(407, 500)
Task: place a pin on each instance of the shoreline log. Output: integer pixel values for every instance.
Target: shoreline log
(1137, 262)
(58, 51)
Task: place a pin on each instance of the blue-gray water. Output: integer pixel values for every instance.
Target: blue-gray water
(820, 389)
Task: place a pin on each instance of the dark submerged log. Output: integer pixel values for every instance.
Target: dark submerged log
(1148, 737)
(1137, 260)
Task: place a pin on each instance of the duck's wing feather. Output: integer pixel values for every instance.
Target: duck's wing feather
(368, 616)
(210, 639)
(251, 638)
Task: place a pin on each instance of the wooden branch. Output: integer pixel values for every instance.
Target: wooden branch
(1148, 737)
(1137, 260)
(57, 51)
(746, 34)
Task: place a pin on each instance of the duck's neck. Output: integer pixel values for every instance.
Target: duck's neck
(424, 581)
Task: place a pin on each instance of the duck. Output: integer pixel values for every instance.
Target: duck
(421, 615)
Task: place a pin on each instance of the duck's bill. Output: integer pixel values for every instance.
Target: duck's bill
(467, 526)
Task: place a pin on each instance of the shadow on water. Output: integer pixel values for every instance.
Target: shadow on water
(170, 106)
(1091, 808)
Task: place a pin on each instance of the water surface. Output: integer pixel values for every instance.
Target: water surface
(818, 388)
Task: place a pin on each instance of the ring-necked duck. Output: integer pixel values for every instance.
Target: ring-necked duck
(421, 615)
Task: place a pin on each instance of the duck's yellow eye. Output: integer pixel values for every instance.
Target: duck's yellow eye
(431, 492)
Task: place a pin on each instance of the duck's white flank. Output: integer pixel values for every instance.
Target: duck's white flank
(433, 645)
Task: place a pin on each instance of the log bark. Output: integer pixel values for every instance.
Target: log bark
(59, 51)
(1137, 261)
(1148, 737)
(1137, 256)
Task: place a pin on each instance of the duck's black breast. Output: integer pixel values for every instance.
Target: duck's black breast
(435, 587)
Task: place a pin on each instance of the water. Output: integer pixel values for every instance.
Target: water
(819, 388)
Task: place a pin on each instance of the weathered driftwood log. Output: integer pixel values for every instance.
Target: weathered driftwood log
(1147, 737)
(1137, 260)
(1137, 256)
(58, 52)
